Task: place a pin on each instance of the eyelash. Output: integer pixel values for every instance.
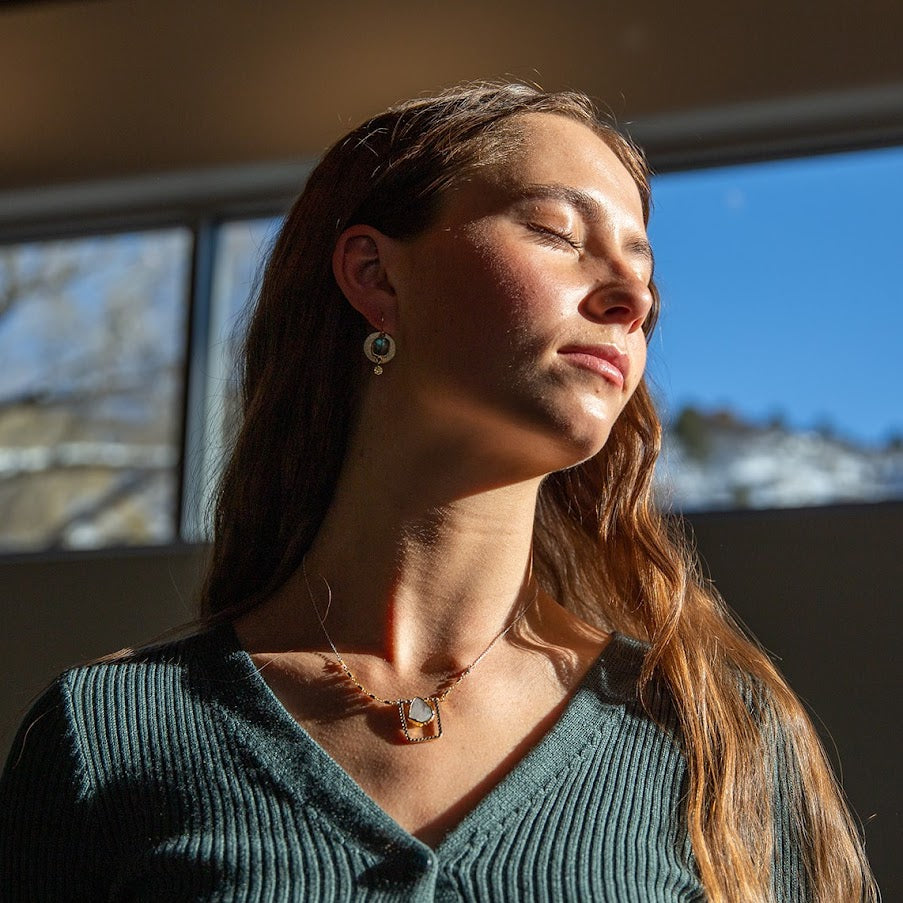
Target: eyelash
(553, 237)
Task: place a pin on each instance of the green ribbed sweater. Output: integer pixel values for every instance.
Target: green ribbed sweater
(179, 776)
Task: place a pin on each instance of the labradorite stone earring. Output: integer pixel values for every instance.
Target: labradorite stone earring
(379, 348)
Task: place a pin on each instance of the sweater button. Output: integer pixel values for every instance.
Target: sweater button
(401, 866)
(421, 860)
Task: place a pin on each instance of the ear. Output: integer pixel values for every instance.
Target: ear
(359, 264)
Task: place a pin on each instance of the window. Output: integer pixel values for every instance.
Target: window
(777, 355)
(241, 247)
(775, 362)
(92, 339)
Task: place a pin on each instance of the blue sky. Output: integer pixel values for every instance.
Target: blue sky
(781, 291)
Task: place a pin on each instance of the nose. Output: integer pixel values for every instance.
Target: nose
(623, 297)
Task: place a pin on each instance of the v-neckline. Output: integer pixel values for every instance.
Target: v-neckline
(595, 704)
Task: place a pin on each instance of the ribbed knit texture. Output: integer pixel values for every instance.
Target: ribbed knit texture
(179, 776)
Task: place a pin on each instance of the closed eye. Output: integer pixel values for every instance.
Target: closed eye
(555, 238)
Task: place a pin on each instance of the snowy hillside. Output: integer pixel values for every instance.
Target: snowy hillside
(714, 460)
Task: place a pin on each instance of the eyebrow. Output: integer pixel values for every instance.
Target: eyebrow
(588, 207)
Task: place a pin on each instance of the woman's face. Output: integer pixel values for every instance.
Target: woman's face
(520, 309)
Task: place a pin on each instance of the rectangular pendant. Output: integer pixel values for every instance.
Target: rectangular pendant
(413, 714)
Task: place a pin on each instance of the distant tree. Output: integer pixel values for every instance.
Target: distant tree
(826, 429)
(727, 419)
(19, 282)
(691, 427)
(91, 337)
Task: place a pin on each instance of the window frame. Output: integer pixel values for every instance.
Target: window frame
(195, 201)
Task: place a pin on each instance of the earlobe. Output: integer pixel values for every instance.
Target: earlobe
(359, 268)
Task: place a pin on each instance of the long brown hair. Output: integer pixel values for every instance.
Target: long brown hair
(602, 548)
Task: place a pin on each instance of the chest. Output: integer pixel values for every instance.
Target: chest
(480, 732)
(592, 811)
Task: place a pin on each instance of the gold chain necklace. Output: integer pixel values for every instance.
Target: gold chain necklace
(418, 711)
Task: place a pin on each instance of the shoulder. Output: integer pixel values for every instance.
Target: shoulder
(105, 710)
(142, 675)
(624, 660)
(647, 711)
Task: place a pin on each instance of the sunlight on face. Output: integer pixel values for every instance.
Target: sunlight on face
(521, 308)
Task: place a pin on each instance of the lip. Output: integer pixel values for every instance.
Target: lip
(606, 360)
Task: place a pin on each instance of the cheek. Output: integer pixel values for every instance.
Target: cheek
(482, 308)
(638, 354)
(493, 300)
(520, 299)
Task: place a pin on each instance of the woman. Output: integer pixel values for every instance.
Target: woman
(450, 648)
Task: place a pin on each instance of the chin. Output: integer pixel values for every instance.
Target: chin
(573, 446)
(585, 432)
(588, 448)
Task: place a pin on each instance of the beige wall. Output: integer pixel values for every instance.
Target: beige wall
(114, 87)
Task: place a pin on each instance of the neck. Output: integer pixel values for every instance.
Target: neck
(427, 589)
(426, 564)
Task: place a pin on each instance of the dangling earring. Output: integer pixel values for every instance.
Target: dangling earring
(379, 348)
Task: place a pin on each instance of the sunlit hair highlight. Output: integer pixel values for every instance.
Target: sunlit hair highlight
(602, 548)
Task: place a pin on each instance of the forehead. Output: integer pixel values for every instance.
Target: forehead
(553, 146)
(552, 149)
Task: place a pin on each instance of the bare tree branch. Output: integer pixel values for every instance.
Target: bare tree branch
(17, 286)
